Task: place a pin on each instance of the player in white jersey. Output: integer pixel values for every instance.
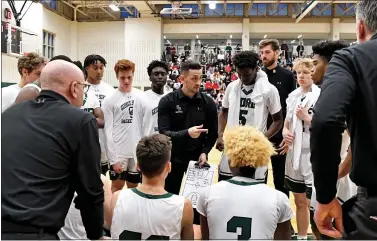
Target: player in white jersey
(296, 143)
(73, 226)
(124, 112)
(149, 211)
(94, 66)
(158, 73)
(323, 52)
(248, 101)
(29, 67)
(241, 207)
(31, 91)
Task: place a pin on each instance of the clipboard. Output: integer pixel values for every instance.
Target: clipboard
(197, 178)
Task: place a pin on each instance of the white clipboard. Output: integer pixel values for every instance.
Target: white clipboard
(197, 178)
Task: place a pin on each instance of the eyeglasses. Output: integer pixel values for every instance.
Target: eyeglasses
(85, 86)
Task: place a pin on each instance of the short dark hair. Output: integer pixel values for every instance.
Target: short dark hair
(92, 59)
(79, 64)
(273, 42)
(327, 48)
(152, 154)
(189, 64)
(366, 11)
(246, 59)
(61, 57)
(157, 63)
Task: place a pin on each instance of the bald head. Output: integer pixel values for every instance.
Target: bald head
(64, 78)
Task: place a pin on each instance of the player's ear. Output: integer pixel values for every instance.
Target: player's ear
(168, 167)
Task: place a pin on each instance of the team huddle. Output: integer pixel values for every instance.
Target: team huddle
(135, 154)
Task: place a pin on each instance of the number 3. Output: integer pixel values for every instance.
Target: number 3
(240, 222)
(129, 235)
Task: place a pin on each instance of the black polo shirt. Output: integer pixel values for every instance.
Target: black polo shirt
(284, 81)
(50, 149)
(177, 113)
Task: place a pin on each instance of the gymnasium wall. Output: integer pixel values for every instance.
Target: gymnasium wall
(113, 41)
(103, 38)
(60, 26)
(36, 20)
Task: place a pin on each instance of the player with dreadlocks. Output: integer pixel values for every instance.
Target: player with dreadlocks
(323, 52)
(94, 66)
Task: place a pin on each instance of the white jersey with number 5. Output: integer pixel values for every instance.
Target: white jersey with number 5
(140, 216)
(252, 209)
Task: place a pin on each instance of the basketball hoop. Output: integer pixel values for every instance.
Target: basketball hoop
(175, 5)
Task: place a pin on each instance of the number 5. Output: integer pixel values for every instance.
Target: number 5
(242, 117)
(240, 222)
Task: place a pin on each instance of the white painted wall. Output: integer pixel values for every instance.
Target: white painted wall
(143, 44)
(32, 22)
(105, 39)
(59, 26)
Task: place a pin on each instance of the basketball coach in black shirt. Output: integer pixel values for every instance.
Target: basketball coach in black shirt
(50, 149)
(348, 95)
(284, 81)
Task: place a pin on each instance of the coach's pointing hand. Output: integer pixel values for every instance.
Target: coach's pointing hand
(195, 131)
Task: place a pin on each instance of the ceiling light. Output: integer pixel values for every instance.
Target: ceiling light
(164, 37)
(293, 41)
(114, 7)
(168, 41)
(231, 36)
(212, 5)
(299, 36)
(199, 42)
(197, 36)
(265, 36)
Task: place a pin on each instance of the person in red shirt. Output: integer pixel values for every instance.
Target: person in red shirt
(228, 68)
(216, 86)
(208, 86)
(234, 76)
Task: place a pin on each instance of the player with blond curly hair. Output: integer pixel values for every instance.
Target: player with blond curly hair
(242, 202)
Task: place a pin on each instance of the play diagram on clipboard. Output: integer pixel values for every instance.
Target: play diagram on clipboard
(197, 178)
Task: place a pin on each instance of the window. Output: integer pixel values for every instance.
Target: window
(234, 9)
(280, 9)
(48, 44)
(49, 3)
(214, 12)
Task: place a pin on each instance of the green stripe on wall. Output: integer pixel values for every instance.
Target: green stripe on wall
(5, 84)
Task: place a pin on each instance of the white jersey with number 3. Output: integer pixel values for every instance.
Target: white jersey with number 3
(242, 208)
(140, 216)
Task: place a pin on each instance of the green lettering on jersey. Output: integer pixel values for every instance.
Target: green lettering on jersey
(240, 222)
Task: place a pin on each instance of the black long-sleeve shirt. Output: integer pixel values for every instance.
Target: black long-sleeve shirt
(50, 150)
(348, 95)
(177, 113)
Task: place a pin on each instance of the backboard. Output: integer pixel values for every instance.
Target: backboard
(16, 41)
(176, 11)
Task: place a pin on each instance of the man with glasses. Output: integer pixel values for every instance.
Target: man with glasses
(51, 150)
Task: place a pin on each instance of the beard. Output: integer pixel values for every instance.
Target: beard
(268, 63)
